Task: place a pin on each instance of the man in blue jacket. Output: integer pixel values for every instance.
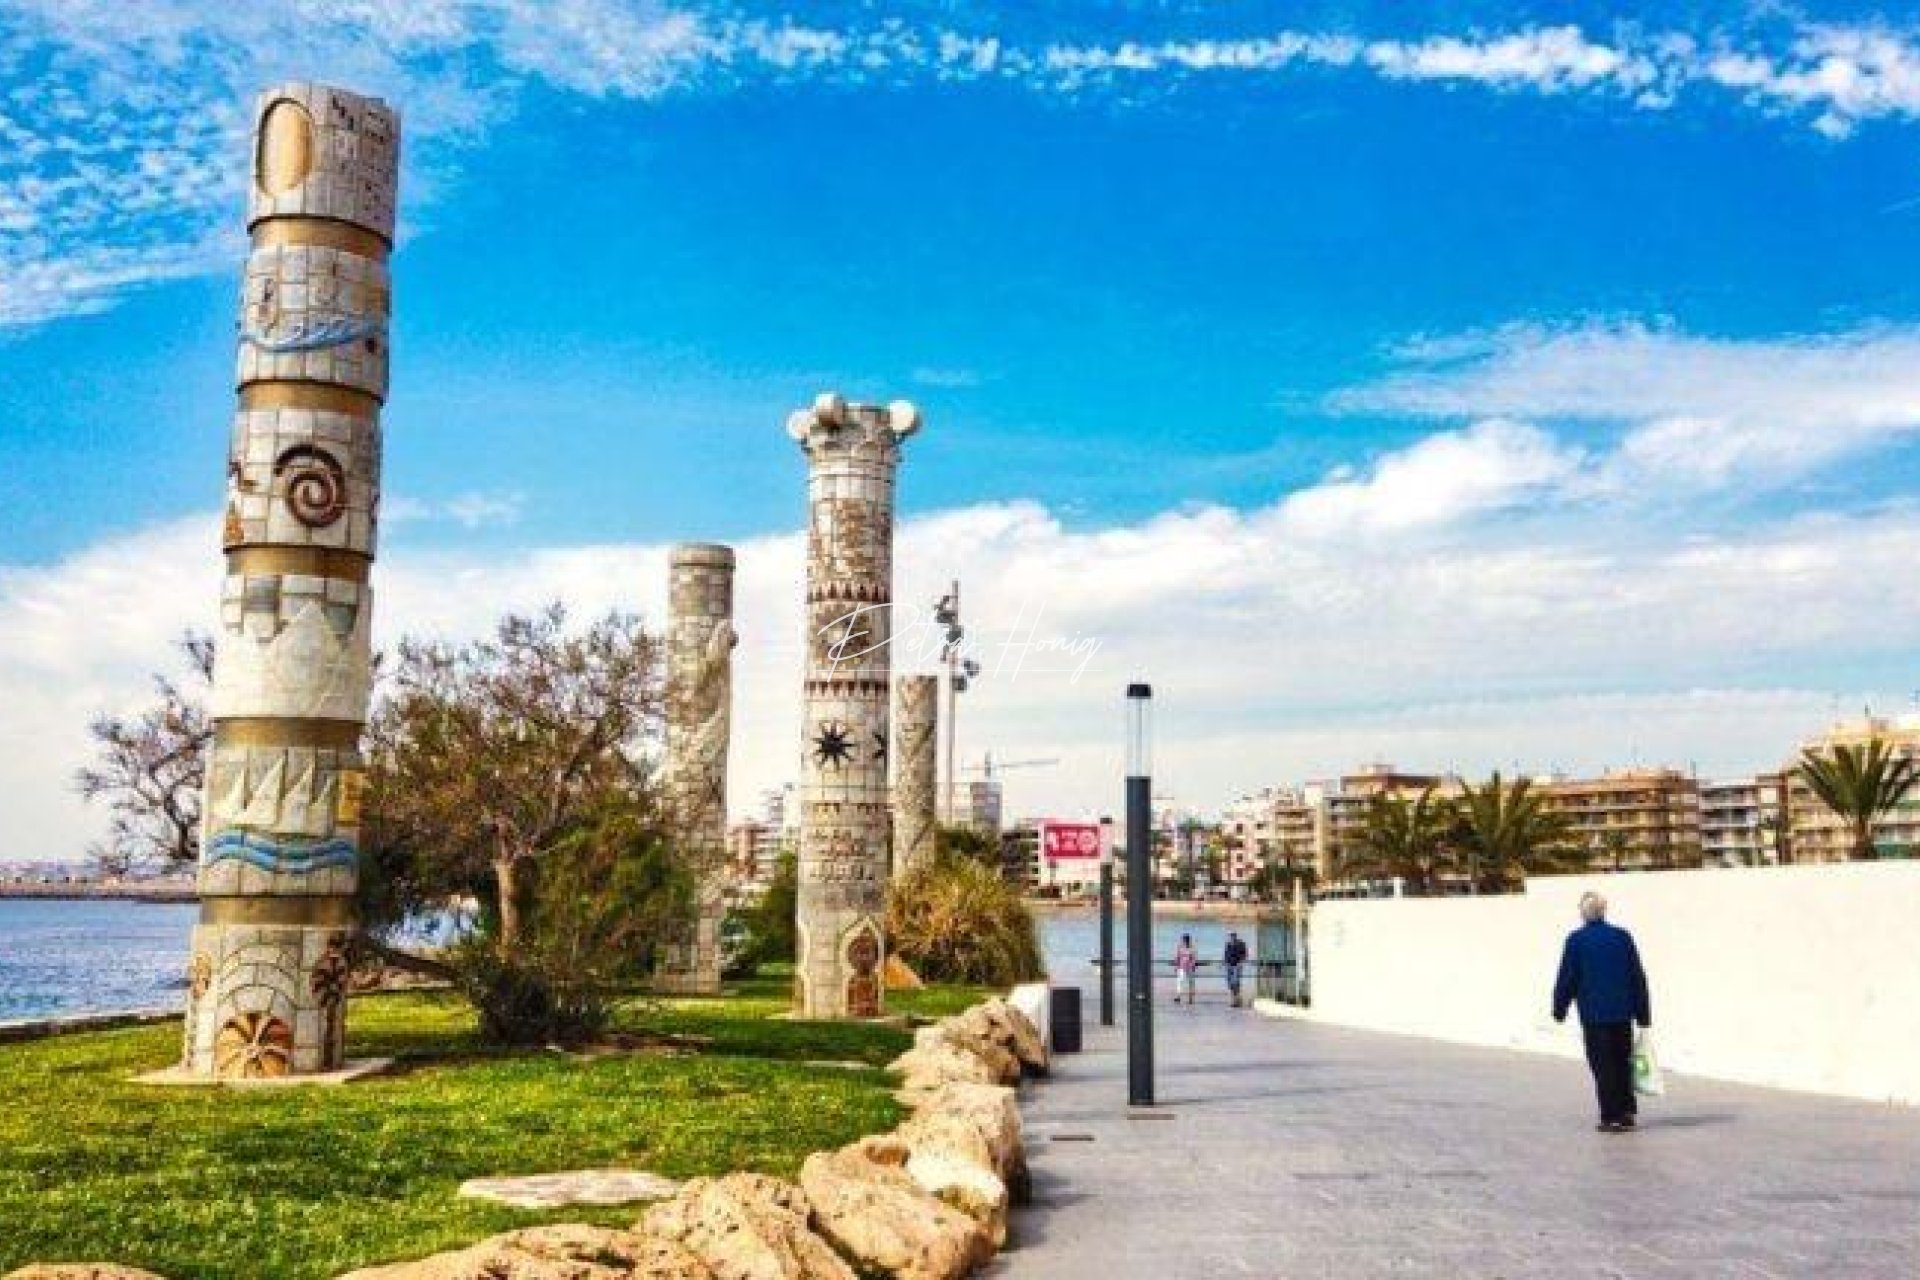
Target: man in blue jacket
(1600, 968)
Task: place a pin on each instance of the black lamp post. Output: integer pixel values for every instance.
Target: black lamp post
(1139, 895)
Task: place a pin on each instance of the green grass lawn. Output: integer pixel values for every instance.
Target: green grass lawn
(206, 1183)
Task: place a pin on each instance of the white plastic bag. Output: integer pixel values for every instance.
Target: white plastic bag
(1648, 1080)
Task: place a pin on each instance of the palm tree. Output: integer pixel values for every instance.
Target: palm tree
(1508, 831)
(1858, 784)
(1274, 881)
(1614, 847)
(1402, 838)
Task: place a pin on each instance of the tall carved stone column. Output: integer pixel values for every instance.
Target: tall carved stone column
(852, 452)
(915, 779)
(279, 858)
(700, 640)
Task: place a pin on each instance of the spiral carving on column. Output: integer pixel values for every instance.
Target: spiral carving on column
(316, 485)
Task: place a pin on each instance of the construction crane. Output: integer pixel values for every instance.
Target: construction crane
(989, 766)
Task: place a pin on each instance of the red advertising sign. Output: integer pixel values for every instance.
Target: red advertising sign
(1065, 840)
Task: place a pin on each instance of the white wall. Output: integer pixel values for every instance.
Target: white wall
(1796, 977)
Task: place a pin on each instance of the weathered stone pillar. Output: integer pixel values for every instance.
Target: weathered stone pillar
(278, 863)
(915, 771)
(700, 640)
(852, 451)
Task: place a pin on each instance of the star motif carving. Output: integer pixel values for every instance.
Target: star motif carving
(832, 749)
(880, 746)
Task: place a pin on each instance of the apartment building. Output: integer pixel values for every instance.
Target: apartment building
(1631, 819)
(984, 800)
(754, 848)
(1742, 821)
(1276, 826)
(1020, 862)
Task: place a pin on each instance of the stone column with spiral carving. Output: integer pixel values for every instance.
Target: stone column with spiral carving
(279, 857)
(915, 735)
(700, 640)
(852, 453)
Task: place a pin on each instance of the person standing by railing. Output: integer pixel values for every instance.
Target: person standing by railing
(1185, 961)
(1235, 959)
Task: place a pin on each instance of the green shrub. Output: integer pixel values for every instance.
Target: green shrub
(769, 922)
(956, 920)
(607, 896)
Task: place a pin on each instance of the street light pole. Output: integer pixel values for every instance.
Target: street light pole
(960, 671)
(1106, 929)
(1139, 895)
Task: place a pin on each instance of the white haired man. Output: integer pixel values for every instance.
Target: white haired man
(1600, 970)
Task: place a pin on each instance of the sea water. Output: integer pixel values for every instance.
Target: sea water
(61, 958)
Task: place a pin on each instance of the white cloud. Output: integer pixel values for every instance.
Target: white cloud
(946, 377)
(1490, 466)
(1269, 53)
(1849, 74)
(1276, 653)
(122, 126)
(1550, 59)
(471, 510)
(1693, 411)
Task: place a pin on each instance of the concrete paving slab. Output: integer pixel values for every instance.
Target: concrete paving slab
(1296, 1149)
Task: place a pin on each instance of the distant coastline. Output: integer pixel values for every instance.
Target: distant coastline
(172, 889)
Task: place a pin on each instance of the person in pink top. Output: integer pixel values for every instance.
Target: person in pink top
(1185, 961)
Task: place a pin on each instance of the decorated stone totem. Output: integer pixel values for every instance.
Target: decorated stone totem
(852, 452)
(278, 865)
(700, 640)
(915, 771)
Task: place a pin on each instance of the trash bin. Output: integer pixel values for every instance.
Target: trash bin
(1065, 1019)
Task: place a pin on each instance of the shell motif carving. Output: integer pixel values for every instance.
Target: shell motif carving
(252, 1046)
(315, 485)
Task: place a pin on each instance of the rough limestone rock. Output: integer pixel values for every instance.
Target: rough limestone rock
(965, 1147)
(1025, 1039)
(971, 1037)
(563, 1252)
(78, 1271)
(874, 1212)
(976, 1032)
(577, 1186)
(925, 1068)
(960, 1181)
(1008, 1029)
(746, 1226)
(978, 1121)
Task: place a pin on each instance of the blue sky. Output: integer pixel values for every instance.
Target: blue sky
(1560, 296)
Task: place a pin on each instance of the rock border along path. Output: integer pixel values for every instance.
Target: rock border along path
(1297, 1149)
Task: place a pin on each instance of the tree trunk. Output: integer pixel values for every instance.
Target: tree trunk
(407, 961)
(506, 879)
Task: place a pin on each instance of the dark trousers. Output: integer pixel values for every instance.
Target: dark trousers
(1610, 1055)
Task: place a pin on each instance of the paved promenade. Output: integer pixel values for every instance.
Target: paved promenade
(1292, 1150)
